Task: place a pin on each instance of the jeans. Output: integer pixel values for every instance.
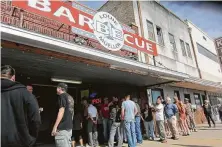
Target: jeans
(191, 121)
(149, 125)
(63, 138)
(161, 129)
(138, 130)
(93, 134)
(209, 117)
(173, 126)
(130, 133)
(116, 127)
(106, 128)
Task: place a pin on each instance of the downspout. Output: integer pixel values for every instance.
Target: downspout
(141, 26)
(194, 52)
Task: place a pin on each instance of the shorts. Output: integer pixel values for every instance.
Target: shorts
(77, 135)
(63, 138)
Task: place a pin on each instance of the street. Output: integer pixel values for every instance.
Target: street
(205, 137)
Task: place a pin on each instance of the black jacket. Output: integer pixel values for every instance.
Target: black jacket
(207, 110)
(20, 118)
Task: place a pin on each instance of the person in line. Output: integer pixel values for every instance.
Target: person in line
(92, 125)
(208, 113)
(128, 113)
(85, 119)
(111, 105)
(159, 109)
(62, 130)
(20, 119)
(220, 112)
(190, 115)
(182, 116)
(77, 129)
(117, 127)
(148, 121)
(30, 89)
(137, 122)
(105, 118)
(170, 113)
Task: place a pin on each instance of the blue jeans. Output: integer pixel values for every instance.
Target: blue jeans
(138, 130)
(149, 125)
(106, 128)
(130, 133)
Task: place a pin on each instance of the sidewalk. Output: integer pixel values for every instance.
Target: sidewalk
(205, 137)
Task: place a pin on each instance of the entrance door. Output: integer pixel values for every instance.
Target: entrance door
(155, 94)
(197, 99)
(187, 96)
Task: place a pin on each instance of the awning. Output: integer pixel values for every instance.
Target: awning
(15, 34)
(200, 84)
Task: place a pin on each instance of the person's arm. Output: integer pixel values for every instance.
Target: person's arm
(135, 109)
(122, 111)
(62, 105)
(33, 115)
(175, 109)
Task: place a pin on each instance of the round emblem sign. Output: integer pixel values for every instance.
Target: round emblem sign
(108, 31)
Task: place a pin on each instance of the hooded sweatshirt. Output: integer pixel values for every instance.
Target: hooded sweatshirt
(20, 118)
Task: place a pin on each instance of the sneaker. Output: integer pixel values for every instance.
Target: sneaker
(164, 141)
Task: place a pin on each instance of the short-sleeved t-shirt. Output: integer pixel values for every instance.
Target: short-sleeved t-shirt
(66, 101)
(159, 112)
(105, 110)
(129, 107)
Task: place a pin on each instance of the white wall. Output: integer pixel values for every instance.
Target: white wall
(169, 23)
(210, 70)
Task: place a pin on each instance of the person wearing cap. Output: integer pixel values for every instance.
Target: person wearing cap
(62, 129)
(170, 113)
(190, 115)
(208, 113)
(104, 112)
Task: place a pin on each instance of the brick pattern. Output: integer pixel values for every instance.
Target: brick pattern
(39, 24)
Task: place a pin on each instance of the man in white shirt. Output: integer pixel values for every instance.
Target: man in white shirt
(92, 125)
(160, 120)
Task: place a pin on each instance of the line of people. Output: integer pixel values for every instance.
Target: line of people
(118, 120)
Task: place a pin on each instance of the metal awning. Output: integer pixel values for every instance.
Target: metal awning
(15, 34)
(200, 84)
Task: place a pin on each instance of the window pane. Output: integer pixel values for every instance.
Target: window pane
(183, 48)
(202, 50)
(150, 30)
(188, 50)
(172, 42)
(159, 35)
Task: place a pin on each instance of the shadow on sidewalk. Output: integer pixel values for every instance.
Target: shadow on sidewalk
(211, 129)
(191, 145)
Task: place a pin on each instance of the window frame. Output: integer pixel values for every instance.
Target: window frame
(184, 52)
(149, 30)
(161, 31)
(174, 45)
(189, 54)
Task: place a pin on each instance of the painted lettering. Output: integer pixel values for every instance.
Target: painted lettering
(43, 5)
(63, 11)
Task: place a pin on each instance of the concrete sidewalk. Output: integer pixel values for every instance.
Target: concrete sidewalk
(205, 137)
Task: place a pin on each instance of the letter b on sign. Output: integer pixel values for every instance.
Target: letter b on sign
(43, 5)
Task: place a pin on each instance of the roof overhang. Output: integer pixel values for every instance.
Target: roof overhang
(15, 34)
(200, 84)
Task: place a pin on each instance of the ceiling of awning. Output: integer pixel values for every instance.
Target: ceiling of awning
(30, 64)
(197, 86)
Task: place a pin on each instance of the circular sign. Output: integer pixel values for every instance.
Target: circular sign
(108, 31)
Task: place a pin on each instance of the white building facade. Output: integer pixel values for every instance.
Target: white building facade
(175, 49)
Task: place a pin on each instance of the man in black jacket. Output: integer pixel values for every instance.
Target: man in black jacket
(208, 113)
(20, 119)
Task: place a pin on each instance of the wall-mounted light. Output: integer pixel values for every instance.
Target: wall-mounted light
(66, 81)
